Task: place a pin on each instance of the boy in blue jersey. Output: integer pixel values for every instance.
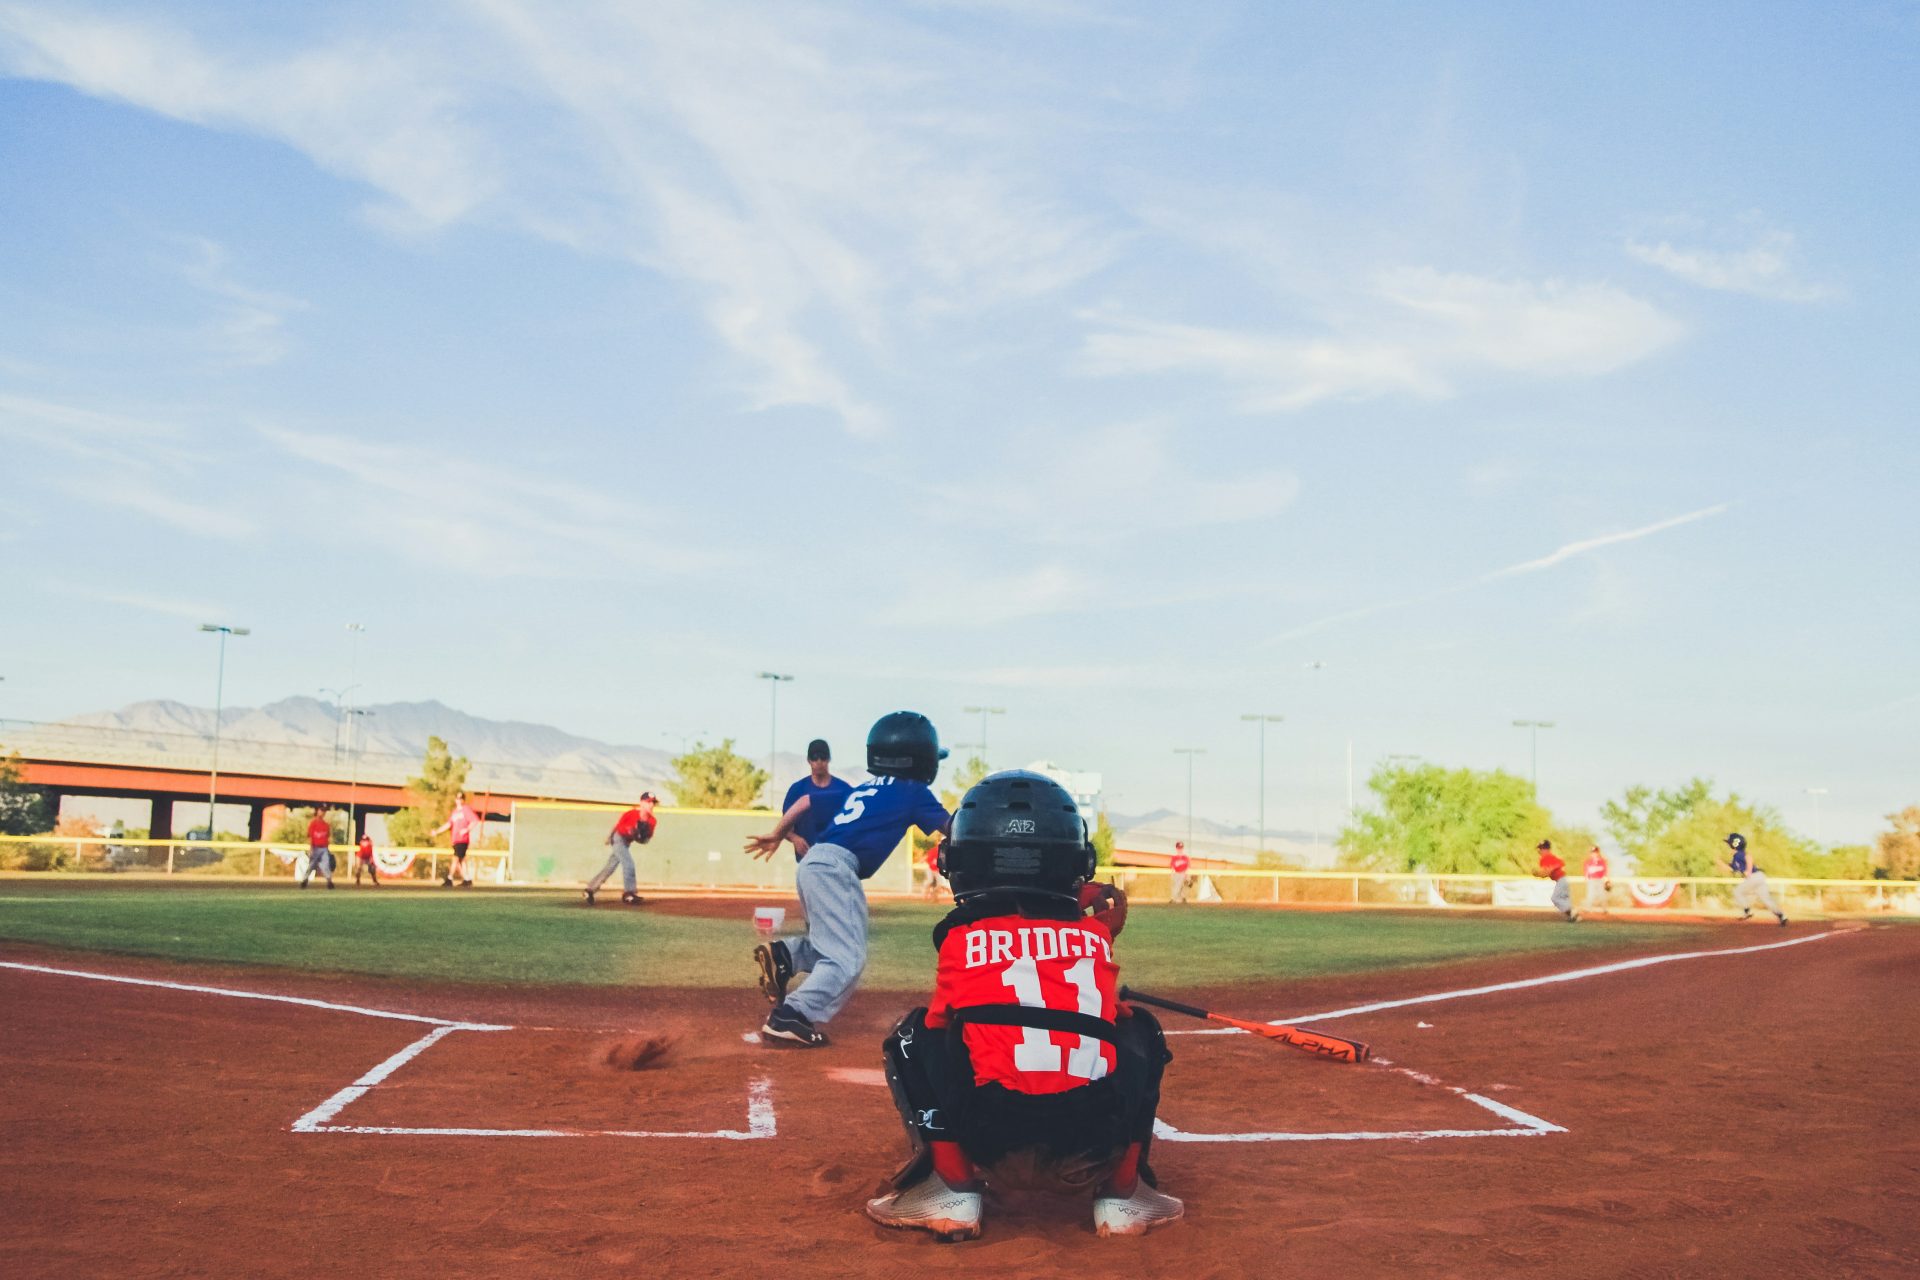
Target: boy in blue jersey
(823, 794)
(1752, 889)
(903, 755)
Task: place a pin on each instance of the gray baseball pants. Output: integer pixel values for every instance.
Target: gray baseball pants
(833, 950)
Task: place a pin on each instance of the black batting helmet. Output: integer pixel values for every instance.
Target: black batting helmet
(1737, 842)
(1017, 832)
(904, 744)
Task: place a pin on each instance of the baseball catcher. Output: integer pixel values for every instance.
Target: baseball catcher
(1026, 1070)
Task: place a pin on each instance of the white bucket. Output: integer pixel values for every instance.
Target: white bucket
(768, 919)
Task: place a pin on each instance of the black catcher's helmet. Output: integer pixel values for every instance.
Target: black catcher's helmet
(1019, 832)
(904, 744)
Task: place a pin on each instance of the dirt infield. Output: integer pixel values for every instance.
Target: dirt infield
(1740, 1114)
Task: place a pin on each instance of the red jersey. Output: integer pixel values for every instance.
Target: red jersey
(1596, 866)
(635, 826)
(1551, 864)
(1052, 964)
(319, 831)
(366, 849)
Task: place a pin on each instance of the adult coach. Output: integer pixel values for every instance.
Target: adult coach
(463, 824)
(823, 793)
(1752, 889)
(319, 848)
(635, 826)
(903, 755)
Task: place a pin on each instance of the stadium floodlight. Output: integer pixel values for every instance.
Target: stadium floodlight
(1189, 753)
(774, 680)
(1533, 728)
(983, 713)
(219, 692)
(1264, 720)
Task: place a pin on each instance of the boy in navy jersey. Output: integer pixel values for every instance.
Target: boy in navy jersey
(903, 755)
(1025, 1070)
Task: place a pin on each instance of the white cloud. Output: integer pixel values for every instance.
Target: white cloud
(251, 328)
(486, 518)
(989, 601)
(1762, 267)
(1125, 480)
(1426, 332)
(127, 492)
(826, 183)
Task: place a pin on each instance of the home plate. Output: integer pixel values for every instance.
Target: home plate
(858, 1075)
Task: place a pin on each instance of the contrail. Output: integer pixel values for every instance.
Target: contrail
(1568, 552)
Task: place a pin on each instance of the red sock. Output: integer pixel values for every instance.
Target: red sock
(951, 1163)
(1125, 1177)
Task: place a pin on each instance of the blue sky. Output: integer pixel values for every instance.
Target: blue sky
(1107, 363)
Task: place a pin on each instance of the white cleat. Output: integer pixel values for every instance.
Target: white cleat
(930, 1205)
(1147, 1208)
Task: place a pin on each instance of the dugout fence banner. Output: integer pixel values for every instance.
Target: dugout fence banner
(556, 843)
(1707, 895)
(243, 859)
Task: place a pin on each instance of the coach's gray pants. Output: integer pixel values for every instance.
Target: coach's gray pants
(833, 951)
(621, 857)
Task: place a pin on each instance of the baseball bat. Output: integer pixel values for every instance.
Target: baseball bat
(1319, 1043)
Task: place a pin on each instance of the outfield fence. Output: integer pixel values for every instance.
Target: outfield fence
(1702, 895)
(244, 859)
(563, 844)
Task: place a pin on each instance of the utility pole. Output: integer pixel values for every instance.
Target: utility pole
(219, 694)
(353, 785)
(1189, 753)
(983, 713)
(1533, 728)
(1264, 720)
(775, 680)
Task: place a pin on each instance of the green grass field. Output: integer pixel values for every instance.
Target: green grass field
(516, 937)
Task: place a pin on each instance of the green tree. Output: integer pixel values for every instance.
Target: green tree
(717, 778)
(1694, 844)
(1896, 852)
(1459, 821)
(441, 775)
(24, 810)
(966, 776)
(1103, 840)
(1643, 815)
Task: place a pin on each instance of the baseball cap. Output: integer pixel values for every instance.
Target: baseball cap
(818, 750)
(648, 795)
(1544, 844)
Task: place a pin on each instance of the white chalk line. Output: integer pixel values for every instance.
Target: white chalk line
(1570, 975)
(1523, 1125)
(761, 1119)
(233, 994)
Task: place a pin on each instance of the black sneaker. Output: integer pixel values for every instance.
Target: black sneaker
(789, 1024)
(632, 900)
(466, 884)
(447, 882)
(1783, 922)
(588, 895)
(776, 969)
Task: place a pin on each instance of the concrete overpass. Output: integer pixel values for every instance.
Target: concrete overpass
(169, 770)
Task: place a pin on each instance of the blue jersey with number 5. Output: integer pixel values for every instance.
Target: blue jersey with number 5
(877, 813)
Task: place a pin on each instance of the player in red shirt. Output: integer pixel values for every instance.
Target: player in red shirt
(463, 827)
(635, 826)
(1025, 1069)
(319, 848)
(1555, 870)
(363, 861)
(1595, 870)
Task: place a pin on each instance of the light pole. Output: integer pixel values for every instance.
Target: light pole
(1189, 753)
(339, 716)
(1818, 826)
(1533, 728)
(775, 680)
(219, 695)
(983, 713)
(1264, 720)
(353, 783)
(354, 631)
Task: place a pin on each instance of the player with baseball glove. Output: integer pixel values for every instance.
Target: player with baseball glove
(1025, 1071)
